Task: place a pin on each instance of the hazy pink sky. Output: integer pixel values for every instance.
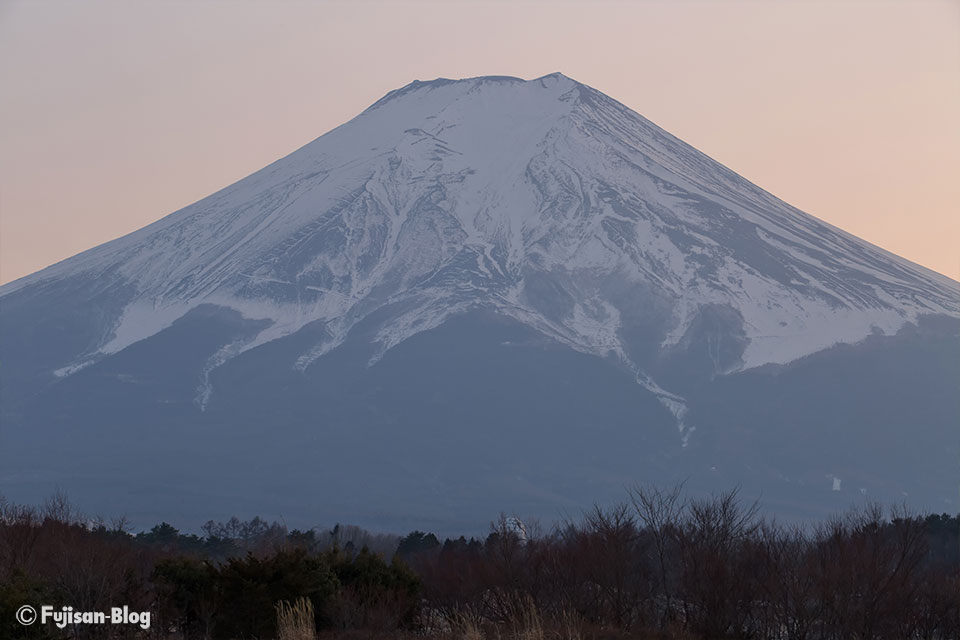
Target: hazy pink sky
(114, 114)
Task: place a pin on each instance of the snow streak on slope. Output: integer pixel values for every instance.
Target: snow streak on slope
(544, 200)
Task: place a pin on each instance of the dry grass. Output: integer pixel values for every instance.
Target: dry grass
(295, 621)
(571, 626)
(528, 624)
(471, 631)
(474, 632)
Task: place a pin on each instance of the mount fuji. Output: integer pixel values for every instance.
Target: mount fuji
(476, 296)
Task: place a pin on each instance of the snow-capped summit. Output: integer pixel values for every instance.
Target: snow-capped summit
(543, 202)
(451, 192)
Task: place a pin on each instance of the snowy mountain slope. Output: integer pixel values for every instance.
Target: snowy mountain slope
(454, 191)
(542, 202)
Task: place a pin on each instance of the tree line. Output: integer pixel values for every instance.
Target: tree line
(659, 565)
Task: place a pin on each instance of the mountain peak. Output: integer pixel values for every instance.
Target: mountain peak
(602, 282)
(479, 191)
(558, 76)
(551, 80)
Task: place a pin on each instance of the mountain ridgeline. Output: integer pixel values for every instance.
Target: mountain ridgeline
(477, 296)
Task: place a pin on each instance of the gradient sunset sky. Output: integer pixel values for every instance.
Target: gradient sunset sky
(114, 114)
